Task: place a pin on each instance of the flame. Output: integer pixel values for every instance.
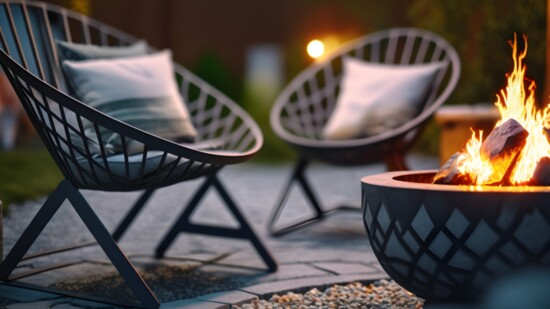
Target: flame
(472, 163)
(517, 102)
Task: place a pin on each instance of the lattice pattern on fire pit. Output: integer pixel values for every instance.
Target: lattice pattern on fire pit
(449, 245)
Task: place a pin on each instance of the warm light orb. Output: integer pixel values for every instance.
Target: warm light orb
(315, 49)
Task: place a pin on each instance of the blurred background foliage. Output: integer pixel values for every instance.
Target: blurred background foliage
(480, 31)
(27, 173)
(212, 68)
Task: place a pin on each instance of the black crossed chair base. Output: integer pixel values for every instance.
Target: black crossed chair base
(298, 176)
(107, 241)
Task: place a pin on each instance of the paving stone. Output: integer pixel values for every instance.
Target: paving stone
(239, 274)
(376, 266)
(25, 295)
(230, 297)
(327, 253)
(60, 303)
(247, 257)
(255, 188)
(80, 303)
(198, 257)
(344, 268)
(32, 305)
(145, 262)
(193, 304)
(70, 273)
(73, 306)
(187, 259)
(293, 271)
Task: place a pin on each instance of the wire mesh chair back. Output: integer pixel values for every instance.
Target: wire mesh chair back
(28, 55)
(303, 108)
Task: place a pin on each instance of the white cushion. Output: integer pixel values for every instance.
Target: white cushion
(140, 91)
(377, 97)
(79, 52)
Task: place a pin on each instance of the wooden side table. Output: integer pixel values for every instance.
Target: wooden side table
(455, 122)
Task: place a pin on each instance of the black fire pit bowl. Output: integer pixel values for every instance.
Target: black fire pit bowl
(449, 243)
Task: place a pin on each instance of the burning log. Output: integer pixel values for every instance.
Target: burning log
(546, 132)
(450, 174)
(502, 148)
(504, 142)
(541, 176)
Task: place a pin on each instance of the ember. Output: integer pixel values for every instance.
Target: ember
(517, 152)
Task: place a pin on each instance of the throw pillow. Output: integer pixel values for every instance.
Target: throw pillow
(140, 91)
(79, 52)
(376, 97)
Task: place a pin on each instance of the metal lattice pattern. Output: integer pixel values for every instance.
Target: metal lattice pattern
(454, 249)
(303, 108)
(72, 131)
(29, 57)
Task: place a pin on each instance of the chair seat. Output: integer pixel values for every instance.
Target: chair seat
(345, 155)
(352, 151)
(119, 172)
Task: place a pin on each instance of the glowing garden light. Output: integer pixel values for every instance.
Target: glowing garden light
(315, 49)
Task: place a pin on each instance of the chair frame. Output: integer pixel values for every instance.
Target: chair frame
(304, 106)
(35, 74)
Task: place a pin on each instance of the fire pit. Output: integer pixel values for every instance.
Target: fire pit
(447, 234)
(445, 242)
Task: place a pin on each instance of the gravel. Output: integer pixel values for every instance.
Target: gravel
(169, 283)
(381, 294)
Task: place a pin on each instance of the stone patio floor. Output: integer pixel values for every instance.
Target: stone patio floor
(202, 271)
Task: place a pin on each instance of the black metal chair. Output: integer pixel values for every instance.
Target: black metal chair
(28, 55)
(304, 106)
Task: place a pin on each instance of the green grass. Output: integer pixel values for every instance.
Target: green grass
(26, 174)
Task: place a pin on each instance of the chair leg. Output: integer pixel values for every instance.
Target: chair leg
(396, 162)
(65, 190)
(183, 224)
(132, 213)
(245, 229)
(299, 176)
(183, 219)
(33, 230)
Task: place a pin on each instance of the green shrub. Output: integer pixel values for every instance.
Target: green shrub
(26, 174)
(480, 30)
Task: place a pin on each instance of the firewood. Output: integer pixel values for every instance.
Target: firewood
(541, 176)
(507, 178)
(546, 132)
(450, 175)
(502, 147)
